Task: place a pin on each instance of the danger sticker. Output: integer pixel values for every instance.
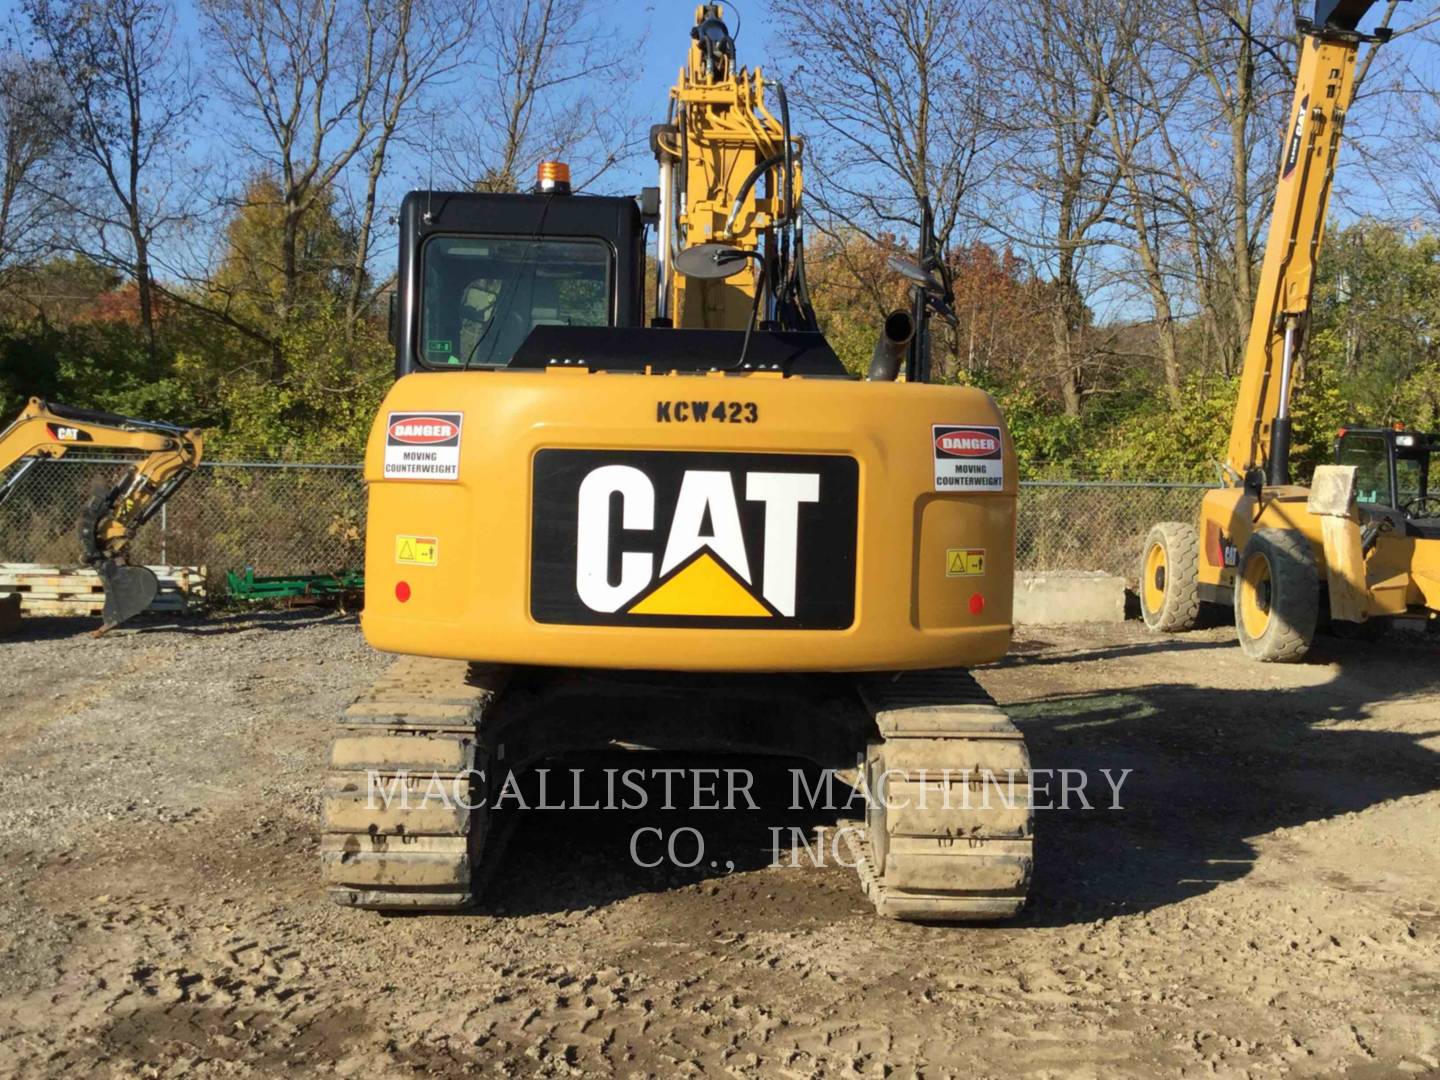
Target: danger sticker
(417, 550)
(968, 458)
(423, 446)
(964, 562)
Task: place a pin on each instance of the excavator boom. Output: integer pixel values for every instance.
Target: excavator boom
(730, 180)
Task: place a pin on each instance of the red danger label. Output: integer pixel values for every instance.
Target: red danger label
(967, 443)
(423, 446)
(423, 430)
(968, 457)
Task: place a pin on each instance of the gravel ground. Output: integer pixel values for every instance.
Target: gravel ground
(1263, 904)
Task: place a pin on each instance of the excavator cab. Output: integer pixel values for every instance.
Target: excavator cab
(479, 272)
(1392, 477)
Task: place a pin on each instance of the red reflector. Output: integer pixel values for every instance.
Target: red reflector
(402, 591)
(977, 604)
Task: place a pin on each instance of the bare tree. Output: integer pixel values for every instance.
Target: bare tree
(1240, 56)
(32, 117)
(1061, 178)
(303, 74)
(1217, 79)
(324, 86)
(542, 74)
(422, 45)
(1399, 119)
(128, 98)
(1137, 97)
(895, 109)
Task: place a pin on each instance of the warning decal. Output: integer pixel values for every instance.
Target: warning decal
(423, 446)
(964, 562)
(417, 550)
(968, 458)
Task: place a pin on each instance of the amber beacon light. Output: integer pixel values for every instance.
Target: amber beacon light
(553, 178)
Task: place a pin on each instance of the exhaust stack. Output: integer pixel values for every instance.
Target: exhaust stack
(891, 346)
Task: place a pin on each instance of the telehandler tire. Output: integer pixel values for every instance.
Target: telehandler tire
(1169, 578)
(1277, 596)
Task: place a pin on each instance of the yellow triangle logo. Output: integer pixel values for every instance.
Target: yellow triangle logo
(702, 588)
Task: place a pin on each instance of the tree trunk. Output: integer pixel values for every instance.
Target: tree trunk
(1240, 115)
(289, 285)
(145, 293)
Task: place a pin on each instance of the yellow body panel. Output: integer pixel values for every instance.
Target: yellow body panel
(473, 603)
(1402, 573)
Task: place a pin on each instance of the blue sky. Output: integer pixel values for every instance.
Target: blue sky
(663, 27)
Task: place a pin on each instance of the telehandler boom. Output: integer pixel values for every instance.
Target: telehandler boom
(588, 529)
(1362, 543)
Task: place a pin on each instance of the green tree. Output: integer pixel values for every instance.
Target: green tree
(1376, 323)
(255, 286)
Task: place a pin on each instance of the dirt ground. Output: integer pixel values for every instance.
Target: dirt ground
(1264, 903)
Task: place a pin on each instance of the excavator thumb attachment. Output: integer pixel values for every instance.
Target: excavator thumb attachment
(128, 591)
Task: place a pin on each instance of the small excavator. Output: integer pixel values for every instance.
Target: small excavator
(689, 529)
(1359, 546)
(45, 430)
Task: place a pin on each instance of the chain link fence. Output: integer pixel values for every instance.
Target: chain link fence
(272, 518)
(1095, 525)
(310, 519)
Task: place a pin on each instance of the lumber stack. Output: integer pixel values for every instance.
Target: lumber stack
(50, 590)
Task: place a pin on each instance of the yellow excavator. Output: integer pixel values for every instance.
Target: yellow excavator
(592, 527)
(1361, 545)
(45, 430)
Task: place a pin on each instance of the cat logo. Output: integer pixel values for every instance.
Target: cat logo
(693, 539)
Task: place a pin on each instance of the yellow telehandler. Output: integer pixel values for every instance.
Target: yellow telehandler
(1362, 543)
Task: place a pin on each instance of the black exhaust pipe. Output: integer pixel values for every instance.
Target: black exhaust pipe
(891, 347)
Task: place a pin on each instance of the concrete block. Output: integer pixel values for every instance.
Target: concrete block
(1052, 597)
(9, 613)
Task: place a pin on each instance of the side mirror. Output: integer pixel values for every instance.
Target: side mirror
(937, 298)
(393, 327)
(650, 205)
(712, 262)
(913, 271)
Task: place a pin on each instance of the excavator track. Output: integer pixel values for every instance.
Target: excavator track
(403, 817)
(948, 835)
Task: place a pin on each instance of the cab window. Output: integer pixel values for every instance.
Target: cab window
(1372, 468)
(482, 296)
(1409, 477)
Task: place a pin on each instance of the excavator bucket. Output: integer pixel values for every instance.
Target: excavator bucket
(128, 591)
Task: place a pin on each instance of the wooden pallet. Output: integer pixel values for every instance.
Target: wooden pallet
(50, 590)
